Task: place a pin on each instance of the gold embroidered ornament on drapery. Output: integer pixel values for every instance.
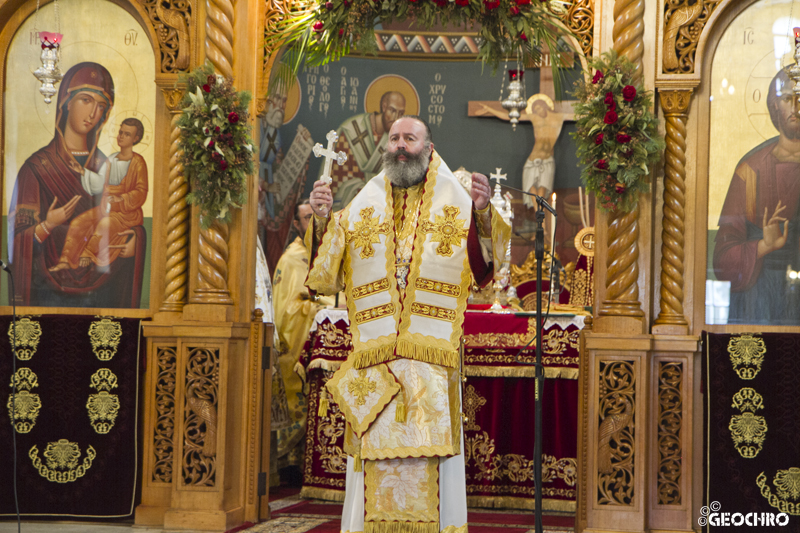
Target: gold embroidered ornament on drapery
(24, 406)
(105, 335)
(62, 459)
(27, 333)
(103, 407)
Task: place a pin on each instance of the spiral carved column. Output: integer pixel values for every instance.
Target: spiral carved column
(675, 105)
(622, 287)
(176, 277)
(219, 35)
(212, 260)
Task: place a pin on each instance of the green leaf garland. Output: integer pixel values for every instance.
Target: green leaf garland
(215, 143)
(617, 134)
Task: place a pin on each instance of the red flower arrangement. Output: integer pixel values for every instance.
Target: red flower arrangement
(617, 134)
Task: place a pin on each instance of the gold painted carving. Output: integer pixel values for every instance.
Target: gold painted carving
(24, 406)
(370, 288)
(448, 231)
(172, 22)
(212, 271)
(105, 335)
(438, 287)
(200, 417)
(683, 24)
(747, 353)
(164, 431)
(622, 266)
(361, 387)
(578, 16)
(365, 232)
(748, 430)
(670, 425)
(628, 33)
(28, 334)
(219, 35)
(675, 105)
(62, 461)
(616, 433)
(787, 484)
(103, 407)
(176, 273)
(432, 311)
(374, 313)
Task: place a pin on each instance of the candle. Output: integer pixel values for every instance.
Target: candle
(553, 229)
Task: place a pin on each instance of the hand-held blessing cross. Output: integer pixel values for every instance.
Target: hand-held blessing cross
(329, 155)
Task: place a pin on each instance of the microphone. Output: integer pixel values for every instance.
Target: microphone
(542, 202)
(5, 266)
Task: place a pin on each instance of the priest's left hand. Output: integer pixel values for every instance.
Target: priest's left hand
(481, 191)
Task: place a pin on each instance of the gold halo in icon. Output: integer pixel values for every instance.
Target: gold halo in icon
(391, 82)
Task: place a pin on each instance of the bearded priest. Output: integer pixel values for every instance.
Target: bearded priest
(406, 251)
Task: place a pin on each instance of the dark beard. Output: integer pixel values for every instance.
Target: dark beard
(409, 172)
(791, 129)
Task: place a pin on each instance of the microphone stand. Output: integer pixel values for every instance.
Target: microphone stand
(538, 370)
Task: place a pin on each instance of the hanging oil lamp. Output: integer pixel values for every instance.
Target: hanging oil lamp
(49, 74)
(516, 99)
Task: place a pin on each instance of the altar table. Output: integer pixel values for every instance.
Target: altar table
(498, 404)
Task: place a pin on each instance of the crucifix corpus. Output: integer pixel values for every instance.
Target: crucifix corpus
(547, 118)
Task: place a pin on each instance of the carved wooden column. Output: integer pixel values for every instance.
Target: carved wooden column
(176, 275)
(212, 273)
(675, 105)
(622, 250)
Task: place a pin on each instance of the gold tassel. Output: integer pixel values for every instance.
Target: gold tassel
(357, 463)
(400, 410)
(323, 406)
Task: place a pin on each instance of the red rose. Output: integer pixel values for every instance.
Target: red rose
(599, 139)
(328, 5)
(609, 99)
(610, 118)
(318, 26)
(346, 3)
(523, 36)
(602, 165)
(211, 145)
(491, 4)
(514, 10)
(341, 32)
(223, 165)
(206, 88)
(441, 3)
(211, 80)
(623, 138)
(628, 93)
(619, 187)
(523, 2)
(597, 77)
(462, 3)
(216, 130)
(233, 118)
(215, 156)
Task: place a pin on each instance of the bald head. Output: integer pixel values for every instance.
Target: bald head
(393, 106)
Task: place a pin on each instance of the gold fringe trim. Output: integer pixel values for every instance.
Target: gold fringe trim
(428, 354)
(401, 527)
(510, 502)
(550, 372)
(373, 356)
(456, 529)
(357, 463)
(317, 493)
(324, 364)
(400, 410)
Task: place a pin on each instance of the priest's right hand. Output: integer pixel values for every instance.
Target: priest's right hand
(774, 238)
(56, 217)
(321, 199)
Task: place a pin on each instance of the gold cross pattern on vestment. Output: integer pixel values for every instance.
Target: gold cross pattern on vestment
(448, 231)
(361, 387)
(365, 233)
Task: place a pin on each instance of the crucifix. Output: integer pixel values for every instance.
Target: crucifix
(329, 155)
(547, 118)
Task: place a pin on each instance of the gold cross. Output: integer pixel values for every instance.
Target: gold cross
(361, 387)
(365, 233)
(447, 230)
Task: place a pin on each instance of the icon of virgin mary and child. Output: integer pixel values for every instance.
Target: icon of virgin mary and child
(76, 235)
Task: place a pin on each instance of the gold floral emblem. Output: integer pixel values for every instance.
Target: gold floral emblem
(787, 490)
(365, 233)
(748, 430)
(103, 407)
(105, 335)
(448, 231)
(28, 334)
(24, 406)
(361, 387)
(747, 354)
(63, 461)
